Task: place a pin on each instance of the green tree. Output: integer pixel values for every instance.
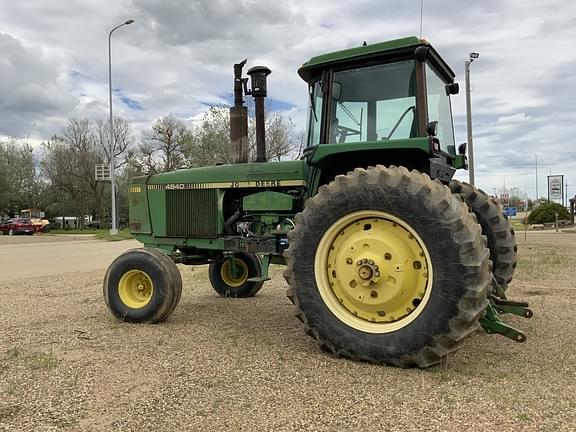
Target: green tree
(19, 183)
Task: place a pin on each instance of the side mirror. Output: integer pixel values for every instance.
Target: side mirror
(452, 89)
(462, 148)
(432, 128)
(336, 91)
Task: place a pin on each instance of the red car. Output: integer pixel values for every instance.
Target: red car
(17, 226)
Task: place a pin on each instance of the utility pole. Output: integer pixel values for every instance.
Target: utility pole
(114, 228)
(471, 57)
(536, 168)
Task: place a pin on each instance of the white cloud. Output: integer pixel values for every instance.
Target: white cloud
(513, 119)
(178, 55)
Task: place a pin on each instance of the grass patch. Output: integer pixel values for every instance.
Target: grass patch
(13, 352)
(76, 231)
(35, 360)
(524, 418)
(540, 263)
(100, 234)
(41, 360)
(123, 234)
(13, 389)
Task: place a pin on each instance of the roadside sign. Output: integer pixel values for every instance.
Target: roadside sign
(102, 172)
(555, 187)
(510, 211)
(504, 197)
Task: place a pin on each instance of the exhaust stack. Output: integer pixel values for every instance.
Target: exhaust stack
(239, 117)
(258, 75)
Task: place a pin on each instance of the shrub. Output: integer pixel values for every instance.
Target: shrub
(546, 213)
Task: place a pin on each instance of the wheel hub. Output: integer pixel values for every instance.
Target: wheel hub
(234, 273)
(135, 289)
(377, 270)
(368, 272)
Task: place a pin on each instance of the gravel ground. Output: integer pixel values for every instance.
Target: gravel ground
(226, 364)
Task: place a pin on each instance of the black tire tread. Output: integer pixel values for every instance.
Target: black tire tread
(495, 226)
(173, 291)
(473, 254)
(247, 289)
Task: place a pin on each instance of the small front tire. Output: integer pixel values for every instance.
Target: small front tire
(230, 278)
(142, 286)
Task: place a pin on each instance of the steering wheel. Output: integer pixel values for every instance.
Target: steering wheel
(411, 108)
(344, 132)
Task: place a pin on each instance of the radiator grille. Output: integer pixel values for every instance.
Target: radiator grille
(192, 213)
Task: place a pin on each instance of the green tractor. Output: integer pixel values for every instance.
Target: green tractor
(388, 259)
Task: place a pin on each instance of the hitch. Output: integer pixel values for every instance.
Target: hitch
(265, 260)
(500, 305)
(512, 307)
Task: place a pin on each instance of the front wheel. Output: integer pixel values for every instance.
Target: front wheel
(386, 265)
(143, 286)
(229, 277)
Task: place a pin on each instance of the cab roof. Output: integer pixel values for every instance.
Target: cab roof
(403, 47)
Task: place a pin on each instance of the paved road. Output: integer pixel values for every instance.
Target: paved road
(24, 256)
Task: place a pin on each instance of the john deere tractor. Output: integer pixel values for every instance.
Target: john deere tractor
(388, 258)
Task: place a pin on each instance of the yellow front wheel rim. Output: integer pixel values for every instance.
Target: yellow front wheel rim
(237, 277)
(135, 289)
(373, 271)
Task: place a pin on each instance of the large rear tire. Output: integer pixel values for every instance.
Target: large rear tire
(143, 286)
(387, 266)
(230, 279)
(495, 226)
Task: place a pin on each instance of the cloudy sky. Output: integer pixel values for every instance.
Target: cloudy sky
(177, 58)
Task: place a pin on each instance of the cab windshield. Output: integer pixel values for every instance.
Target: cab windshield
(374, 103)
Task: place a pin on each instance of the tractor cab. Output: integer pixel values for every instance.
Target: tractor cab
(383, 96)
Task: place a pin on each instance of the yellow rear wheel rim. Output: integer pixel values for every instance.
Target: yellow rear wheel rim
(237, 277)
(135, 289)
(373, 271)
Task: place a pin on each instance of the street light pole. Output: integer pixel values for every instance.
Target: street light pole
(114, 228)
(471, 57)
(536, 166)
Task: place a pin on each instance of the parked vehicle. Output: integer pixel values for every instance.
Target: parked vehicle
(17, 226)
(38, 219)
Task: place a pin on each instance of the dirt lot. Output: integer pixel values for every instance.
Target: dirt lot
(225, 364)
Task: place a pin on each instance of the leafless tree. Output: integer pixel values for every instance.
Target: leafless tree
(122, 140)
(282, 140)
(210, 143)
(69, 165)
(163, 148)
(210, 139)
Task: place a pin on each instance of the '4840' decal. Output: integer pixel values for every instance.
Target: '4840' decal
(227, 185)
